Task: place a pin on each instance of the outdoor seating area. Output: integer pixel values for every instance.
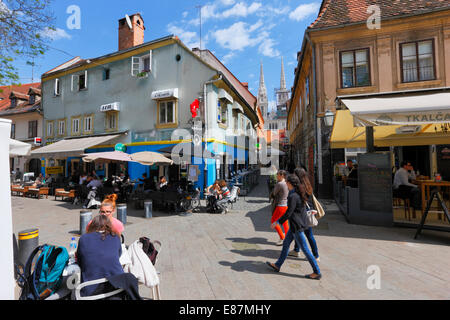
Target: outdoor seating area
(29, 191)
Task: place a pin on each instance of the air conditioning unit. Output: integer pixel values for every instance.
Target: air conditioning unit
(407, 129)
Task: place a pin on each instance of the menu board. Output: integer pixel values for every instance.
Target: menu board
(375, 182)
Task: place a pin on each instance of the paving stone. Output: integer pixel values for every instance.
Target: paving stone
(214, 256)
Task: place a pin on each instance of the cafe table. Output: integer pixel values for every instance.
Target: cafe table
(425, 186)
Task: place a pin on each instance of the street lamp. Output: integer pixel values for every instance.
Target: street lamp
(328, 118)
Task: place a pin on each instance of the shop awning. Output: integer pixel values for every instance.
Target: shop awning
(71, 147)
(419, 109)
(346, 135)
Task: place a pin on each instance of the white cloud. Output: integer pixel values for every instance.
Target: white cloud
(226, 58)
(267, 49)
(241, 10)
(56, 34)
(304, 10)
(237, 37)
(189, 38)
(185, 14)
(209, 11)
(228, 2)
(241, 35)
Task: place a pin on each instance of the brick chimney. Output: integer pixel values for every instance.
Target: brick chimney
(245, 84)
(129, 38)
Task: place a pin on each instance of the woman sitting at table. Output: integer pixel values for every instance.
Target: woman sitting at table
(224, 195)
(212, 193)
(98, 254)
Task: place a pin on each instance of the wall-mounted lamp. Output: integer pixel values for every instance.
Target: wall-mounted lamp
(328, 118)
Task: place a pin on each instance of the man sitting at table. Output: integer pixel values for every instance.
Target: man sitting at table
(404, 188)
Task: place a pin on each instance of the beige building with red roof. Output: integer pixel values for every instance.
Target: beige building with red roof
(22, 105)
(367, 49)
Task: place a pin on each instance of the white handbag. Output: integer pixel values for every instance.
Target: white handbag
(311, 219)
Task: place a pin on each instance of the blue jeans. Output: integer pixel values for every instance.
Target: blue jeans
(300, 240)
(312, 242)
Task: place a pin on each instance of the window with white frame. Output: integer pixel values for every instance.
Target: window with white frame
(61, 127)
(222, 111)
(76, 126)
(141, 66)
(50, 128)
(166, 113)
(88, 124)
(111, 120)
(79, 81)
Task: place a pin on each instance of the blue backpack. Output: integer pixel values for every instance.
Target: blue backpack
(45, 278)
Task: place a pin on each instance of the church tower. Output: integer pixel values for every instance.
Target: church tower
(282, 93)
(263, 102)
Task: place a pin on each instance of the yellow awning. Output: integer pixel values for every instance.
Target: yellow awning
(345, 135)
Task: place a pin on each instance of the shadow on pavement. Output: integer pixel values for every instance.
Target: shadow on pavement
(256, 267)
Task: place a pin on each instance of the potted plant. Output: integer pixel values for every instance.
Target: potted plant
(142, 74)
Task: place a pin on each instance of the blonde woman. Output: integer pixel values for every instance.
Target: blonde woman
(108, 209)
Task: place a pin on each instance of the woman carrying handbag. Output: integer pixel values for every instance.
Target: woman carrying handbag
(304, 180)
(296, 214)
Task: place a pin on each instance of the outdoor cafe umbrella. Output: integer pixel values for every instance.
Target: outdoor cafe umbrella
(107, 156)
(189, 147)
(149, 158)
(19, 148)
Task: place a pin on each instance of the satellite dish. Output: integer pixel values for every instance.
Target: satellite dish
(127, 17)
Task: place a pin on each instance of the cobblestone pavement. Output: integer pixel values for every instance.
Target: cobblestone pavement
(213, 256)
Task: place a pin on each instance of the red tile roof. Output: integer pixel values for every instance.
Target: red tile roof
(212, 60)
(21, 92)
(334, 13)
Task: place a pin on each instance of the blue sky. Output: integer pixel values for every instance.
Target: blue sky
(240, 33)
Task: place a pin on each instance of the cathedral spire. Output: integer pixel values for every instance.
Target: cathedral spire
(262, 91)
(283, 78)
(262, 101)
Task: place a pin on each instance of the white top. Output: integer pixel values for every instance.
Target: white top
(94, 183)
(401, 178)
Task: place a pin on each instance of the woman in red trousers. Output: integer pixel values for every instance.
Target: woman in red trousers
(279, 205)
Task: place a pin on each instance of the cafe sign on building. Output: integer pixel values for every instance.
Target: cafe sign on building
(163, 94)
(404, 110)
(115, 106)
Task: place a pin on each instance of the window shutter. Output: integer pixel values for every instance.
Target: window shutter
(150, 58)
(74, 85)
(56, 91)
(85, 79)
(135, 65)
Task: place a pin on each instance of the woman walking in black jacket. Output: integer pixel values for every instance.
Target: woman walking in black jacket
(296, 215)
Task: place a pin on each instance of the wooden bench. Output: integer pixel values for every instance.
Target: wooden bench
(16, 189)
(38, 192)
(64, 194)
(22, 191)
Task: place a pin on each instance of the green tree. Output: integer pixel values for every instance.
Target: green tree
(21, 24)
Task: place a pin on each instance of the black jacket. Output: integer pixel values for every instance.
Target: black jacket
(296, 212)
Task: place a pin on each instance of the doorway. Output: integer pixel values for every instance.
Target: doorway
(419, 157)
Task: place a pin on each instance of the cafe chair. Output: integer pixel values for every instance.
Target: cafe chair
(98, 296)
(398, 199)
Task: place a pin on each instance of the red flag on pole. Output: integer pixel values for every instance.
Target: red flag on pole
(194, 107)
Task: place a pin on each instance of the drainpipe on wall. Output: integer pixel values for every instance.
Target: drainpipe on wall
(315, 105)
(205, 106)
